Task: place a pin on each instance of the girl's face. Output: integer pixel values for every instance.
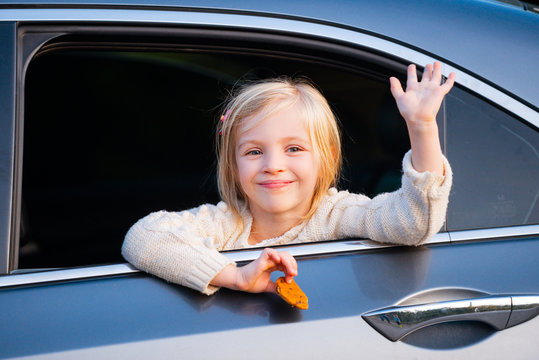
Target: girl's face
(277, 168)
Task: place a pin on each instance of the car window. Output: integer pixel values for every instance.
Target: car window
(112, 133)
(495, 160)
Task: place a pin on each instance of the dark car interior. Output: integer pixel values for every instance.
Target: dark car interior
(115, 128)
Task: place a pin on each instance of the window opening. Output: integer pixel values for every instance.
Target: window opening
(112, 134)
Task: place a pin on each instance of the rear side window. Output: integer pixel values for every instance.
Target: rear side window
(111, 135)
(495, 160)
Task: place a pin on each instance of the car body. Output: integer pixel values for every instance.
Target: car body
(108, 110)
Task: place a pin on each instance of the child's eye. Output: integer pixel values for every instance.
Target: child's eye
(253, 152)
(293, 149)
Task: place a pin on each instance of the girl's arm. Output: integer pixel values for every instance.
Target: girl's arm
(183, 248)
(177, 247)
(419, 105)
(415, 212)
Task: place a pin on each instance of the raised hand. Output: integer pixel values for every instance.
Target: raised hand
(255, 276)
(419, 105)
(422, 99)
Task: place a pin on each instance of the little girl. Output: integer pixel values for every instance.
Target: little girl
(279, 155)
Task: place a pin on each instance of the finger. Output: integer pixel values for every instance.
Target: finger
(274, 256)
(395, 87)
(427, 73)
(285, 265)
(267, 260)
(437, 72)
(271, 255)
(412, 75)
(449, 82)
(290, 266)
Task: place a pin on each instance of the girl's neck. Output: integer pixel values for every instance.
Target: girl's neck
(268, 227)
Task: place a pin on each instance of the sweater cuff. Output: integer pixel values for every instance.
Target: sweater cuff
(436, 185)
(210, 264)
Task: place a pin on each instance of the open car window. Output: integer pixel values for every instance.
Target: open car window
(116, 128)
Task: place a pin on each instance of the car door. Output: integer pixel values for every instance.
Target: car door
(137, 315)
(62, 301)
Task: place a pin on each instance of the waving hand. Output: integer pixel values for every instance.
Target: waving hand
(422, 99)
(419, 105)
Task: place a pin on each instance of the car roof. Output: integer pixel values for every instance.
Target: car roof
(494, 41)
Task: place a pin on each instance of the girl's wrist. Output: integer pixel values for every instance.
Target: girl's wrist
(426, 149)
(422, 128)
(228, 277)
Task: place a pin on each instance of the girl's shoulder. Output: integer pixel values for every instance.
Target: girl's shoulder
(164, 220)
(336, 197)
(221, 208)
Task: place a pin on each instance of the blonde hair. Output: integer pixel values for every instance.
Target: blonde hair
(253, 103)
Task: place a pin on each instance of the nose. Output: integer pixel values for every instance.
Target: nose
(274, 162)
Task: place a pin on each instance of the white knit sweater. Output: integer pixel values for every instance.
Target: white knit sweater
(183, 247)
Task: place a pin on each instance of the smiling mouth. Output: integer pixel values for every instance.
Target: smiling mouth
(275, 184)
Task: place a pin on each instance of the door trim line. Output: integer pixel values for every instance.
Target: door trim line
(41, 276)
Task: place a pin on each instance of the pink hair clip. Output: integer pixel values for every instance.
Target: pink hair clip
(223, 119)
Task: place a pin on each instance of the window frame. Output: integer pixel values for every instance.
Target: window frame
(8, 101)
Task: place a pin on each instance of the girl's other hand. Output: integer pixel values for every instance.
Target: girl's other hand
(255, 276)
(421, 101)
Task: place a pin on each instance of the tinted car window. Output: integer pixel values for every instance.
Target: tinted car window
(495, 159)
(113, 135)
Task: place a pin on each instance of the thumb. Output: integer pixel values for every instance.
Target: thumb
(271, 288)
(395, 87)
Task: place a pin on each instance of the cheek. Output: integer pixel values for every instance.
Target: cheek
(309, 169)
(244, 172)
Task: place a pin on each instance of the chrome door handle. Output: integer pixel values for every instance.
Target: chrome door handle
(499, 311)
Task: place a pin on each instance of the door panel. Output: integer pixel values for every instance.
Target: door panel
(120, 311)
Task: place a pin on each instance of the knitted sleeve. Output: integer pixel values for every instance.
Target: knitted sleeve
(408, 216)
(179, 247)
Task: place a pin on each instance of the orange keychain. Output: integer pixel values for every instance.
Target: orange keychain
(291, 293)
